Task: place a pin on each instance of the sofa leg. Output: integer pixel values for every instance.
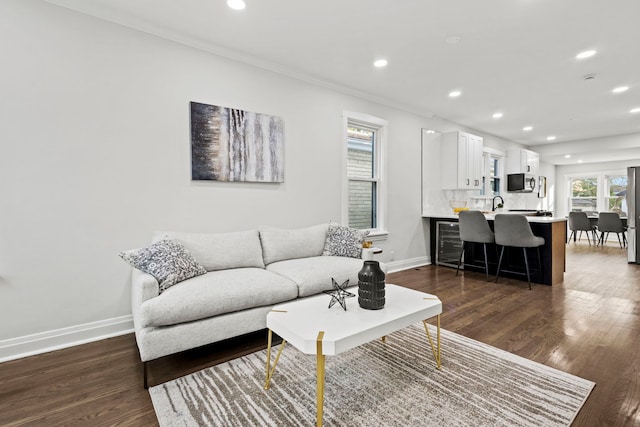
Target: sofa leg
(145, 371)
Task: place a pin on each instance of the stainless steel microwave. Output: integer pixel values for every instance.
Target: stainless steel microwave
(521, 183)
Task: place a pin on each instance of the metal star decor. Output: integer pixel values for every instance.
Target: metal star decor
(338, 293)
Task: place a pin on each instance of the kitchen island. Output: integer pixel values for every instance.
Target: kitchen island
(552, 254)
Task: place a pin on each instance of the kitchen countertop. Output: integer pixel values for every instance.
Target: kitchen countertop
(491, 216)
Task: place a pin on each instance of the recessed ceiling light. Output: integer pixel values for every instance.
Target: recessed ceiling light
(527, 128)
(380, 63)
(497, 115)
(635, 110)
(567, 156)
(551, 138)
(586, 54)
(579, 161)
(454, 94)
(431, 131)
(236, 4)
(620, 89)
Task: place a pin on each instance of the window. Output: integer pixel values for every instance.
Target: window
(491, 173)
(598, 192)
(615, 193)
(584, 194)
(363, 206)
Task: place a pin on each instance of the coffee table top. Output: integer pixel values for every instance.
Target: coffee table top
(300, 322)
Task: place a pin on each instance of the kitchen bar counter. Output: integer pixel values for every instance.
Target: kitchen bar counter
(491, 216)
(553, 255)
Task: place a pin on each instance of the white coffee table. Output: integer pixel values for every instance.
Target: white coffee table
(313, 328)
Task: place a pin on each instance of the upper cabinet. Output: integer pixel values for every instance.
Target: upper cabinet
(461, 166)
(520, 160)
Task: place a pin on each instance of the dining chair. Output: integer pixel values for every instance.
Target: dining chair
(512, 230)
(610, 222)
(474, 228)
(579, 221)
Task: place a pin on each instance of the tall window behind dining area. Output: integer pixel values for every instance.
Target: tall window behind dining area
(616, 193)
(584, 194)
(598, 192)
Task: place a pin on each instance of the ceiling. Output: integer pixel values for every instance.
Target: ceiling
(517, 57)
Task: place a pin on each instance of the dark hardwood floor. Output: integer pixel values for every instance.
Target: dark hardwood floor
(588, 326)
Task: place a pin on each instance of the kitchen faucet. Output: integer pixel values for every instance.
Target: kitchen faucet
(493, 202)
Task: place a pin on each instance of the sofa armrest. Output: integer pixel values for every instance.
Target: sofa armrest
(143, 287)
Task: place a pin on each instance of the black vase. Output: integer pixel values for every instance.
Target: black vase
(371, 286)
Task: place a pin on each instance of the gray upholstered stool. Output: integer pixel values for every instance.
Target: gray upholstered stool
(474, 228)
(514, 231)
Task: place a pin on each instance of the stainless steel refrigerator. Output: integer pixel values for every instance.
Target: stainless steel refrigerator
(633, 214)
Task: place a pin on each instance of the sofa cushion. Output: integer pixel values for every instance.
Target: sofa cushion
(168, 261)
(314, 274)
(279, 244)
(344, 241)
(220, 251)
(215, 293)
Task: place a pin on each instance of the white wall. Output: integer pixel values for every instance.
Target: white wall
(95, 155)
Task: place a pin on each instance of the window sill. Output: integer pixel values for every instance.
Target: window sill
(377, 236)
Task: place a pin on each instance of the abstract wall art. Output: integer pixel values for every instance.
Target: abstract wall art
(235, 145)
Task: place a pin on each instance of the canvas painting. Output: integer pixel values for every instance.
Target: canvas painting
(235, 145)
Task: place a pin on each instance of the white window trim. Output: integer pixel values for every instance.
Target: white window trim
(601, 205)
(492, 152)
(381, 126)
(500, 155)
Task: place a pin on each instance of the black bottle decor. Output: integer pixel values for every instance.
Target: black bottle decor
(371, 286)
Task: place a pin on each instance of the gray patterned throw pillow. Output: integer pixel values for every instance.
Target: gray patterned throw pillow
(168, 261)
(344, 241)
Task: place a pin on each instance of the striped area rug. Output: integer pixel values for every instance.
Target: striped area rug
(378, 384)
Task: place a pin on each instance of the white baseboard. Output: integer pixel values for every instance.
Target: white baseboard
(43, 342)
(406, 264)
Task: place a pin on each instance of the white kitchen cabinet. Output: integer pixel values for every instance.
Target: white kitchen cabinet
(520, 160)
(461, 165)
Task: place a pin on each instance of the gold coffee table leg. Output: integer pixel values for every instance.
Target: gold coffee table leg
(320, 379)
(271, 369)
(436, 351)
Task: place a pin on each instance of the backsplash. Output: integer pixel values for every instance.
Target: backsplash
(437, 201)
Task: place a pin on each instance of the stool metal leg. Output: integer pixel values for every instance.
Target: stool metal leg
(460, 259)
(486, 262)
(526, 264)
(499, 264)
(539, 262)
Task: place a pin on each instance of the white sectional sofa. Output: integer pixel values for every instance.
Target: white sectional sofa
(247, 273)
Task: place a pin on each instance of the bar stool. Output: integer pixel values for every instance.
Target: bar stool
(514, 231)
(474, 228)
